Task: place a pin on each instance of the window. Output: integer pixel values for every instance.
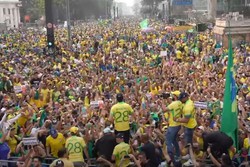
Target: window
(8, 11)
(4, 11)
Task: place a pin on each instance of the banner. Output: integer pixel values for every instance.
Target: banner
(201, 105)
(30, 141)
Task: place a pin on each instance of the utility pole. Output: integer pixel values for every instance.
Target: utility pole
(50, 26)
(117, 12)
(114, 11)
(107, 12)
(68, 23)
(169, 9)
(163, 13)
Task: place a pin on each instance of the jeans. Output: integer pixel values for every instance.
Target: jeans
(188, 135)
(172, 143)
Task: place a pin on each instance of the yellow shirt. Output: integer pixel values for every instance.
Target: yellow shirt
(120, 113)
(45, 94)
(178, 54)
(189, 112)
(246, 143)
(200, 142)
(12, 142)
(55, 144)
(75, 146)
(175, 112)
(119, 152)
(23, 119)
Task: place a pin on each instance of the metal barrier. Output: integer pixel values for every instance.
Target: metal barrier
(12, 163)
(13, 160)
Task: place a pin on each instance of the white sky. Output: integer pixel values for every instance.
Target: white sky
(128, 2)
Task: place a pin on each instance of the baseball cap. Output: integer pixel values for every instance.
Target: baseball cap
(108, 130)
(73, 129)
(176, 93)
(53, 132)
(183, 95)
(120, 136)
(201, 128)
(119, 97)
(59, 163)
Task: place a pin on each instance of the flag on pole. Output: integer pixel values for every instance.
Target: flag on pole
(144, 24)
(229, 122)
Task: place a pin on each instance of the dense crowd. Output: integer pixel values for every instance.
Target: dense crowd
(120, 95)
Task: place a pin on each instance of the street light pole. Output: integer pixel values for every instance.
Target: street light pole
(117, 11)
(114, 11)
(68, 23)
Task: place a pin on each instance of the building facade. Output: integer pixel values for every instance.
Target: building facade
(10, 13)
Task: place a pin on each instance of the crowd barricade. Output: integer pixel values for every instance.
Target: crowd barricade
(13, 161)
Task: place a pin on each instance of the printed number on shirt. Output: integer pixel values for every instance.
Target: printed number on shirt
(75, 148)
(121, 116)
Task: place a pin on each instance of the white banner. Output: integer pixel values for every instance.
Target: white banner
(30, 141)
(201, 105)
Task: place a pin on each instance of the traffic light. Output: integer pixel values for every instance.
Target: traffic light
(49, 23)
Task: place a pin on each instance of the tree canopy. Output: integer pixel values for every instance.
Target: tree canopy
(150, 7)
(80, 9)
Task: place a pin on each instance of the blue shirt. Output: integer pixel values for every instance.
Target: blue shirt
(4, 151)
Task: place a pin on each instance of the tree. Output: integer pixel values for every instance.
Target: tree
(136, 9)
(80, 9)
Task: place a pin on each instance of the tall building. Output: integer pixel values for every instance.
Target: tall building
(9, 13)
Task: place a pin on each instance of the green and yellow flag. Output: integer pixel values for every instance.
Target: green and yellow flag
(144, 24)
(229, 123)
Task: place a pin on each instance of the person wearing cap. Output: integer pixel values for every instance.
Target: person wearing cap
(76, 146)
(175, 110)
(62, 157)
(120, 151)
(54, 142)
(59, 163)
(105, 145)
(188, 120)
(120, 115)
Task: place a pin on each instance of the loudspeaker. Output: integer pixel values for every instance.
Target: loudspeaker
(49, 23)
(182, 23)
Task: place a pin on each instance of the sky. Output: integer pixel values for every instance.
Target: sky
(128, 2)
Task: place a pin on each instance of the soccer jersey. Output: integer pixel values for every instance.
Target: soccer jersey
(75, 146)
(55, 144)
(189, 112)
(120, 113)
(175, 112)
(119, 152)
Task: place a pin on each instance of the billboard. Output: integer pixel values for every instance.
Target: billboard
(183, 2)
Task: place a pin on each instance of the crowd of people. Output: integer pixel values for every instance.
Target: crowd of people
(121, 96)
